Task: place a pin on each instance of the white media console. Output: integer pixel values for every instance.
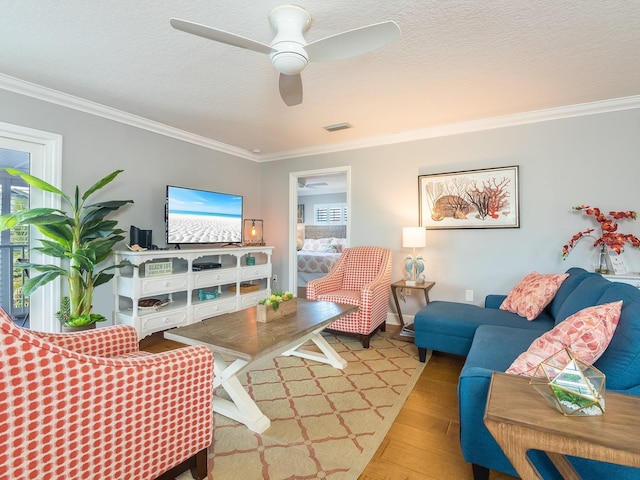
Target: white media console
(190, 284)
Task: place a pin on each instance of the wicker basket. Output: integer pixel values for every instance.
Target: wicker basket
(245, 288)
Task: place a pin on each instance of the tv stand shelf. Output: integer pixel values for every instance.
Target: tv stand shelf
(188, 295)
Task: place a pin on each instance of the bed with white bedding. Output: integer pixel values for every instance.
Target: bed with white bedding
(317, 257)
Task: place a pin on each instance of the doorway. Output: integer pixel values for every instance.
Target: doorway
(314, 186)
(14, 243)
(42, 153)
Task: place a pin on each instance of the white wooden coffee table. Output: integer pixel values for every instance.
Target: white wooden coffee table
(245, 341)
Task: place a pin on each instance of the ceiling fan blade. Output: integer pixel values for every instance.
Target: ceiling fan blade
(353, 42)
(219, 35)
(291, 89)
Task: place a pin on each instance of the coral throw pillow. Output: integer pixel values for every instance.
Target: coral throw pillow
(587, 334)
(532, 294)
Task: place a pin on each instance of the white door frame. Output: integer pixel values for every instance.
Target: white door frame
(293, 215)
(45, 149)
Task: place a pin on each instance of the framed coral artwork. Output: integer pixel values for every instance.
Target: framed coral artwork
(486, 198)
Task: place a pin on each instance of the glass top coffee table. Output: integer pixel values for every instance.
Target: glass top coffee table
(240, 337)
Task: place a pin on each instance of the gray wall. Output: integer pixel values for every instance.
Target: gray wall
(93, 147)
(590, 159)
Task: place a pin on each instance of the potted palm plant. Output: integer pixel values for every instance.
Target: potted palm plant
(79, 235)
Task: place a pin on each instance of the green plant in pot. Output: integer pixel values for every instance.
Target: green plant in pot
(80, 236)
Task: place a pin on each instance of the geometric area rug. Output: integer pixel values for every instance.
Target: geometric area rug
(325, 423)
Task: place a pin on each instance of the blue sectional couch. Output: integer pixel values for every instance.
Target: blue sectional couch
(491, 339)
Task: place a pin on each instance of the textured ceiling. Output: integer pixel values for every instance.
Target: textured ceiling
(456, 61)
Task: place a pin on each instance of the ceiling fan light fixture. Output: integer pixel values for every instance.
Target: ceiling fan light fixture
(338, 126)
(289, 62)
(288, 55)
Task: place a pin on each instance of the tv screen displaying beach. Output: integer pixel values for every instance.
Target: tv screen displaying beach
(198, 216)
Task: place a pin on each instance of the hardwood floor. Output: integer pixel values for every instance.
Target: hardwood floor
(423, 442)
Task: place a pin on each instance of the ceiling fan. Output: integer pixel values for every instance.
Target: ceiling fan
(303, 183)
(289, 51)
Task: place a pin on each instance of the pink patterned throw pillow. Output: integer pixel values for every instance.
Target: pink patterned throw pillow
(532, 294)
(586, 333)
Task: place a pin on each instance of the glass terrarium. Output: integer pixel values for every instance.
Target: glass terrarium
(570, 385)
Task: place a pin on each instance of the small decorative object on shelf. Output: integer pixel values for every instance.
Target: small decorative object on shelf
(610, 238)
(204, 295)
(158, 269)
(276, 306)
(152, 303)
(602, 266)
(245, 287)
(570, 385)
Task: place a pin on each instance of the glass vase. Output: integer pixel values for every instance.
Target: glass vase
(602, 260)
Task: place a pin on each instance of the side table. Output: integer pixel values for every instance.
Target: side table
(406, 332)
(520, 419)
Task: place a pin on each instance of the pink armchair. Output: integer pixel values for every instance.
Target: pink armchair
(362, 276)
(91, 405)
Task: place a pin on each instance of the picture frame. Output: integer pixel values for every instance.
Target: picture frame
(485, 198)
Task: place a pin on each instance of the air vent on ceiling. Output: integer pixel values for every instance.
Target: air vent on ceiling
(338, 126)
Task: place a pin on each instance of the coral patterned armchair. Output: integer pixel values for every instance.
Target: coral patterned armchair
(86, 405)
(362, 276)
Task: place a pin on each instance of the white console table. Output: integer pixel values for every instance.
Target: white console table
(628, 278)
(180, 284)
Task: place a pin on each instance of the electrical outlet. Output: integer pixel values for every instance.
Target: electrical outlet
(274, 279)
(407, 292)
(469, 295)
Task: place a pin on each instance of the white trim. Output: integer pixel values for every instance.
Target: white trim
(48, 147)
(558, 113)
(293, 215)
(53, 96)
(49, 95)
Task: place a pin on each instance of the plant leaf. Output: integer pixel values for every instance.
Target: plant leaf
(36, 182)
(101, 183)
(36, 282)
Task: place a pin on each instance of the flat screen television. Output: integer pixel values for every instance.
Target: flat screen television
(202, 217)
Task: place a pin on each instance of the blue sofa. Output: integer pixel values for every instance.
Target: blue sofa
(491, 339)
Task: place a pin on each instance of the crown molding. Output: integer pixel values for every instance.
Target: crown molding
(39, 92)
(545, 115)
(53, 96)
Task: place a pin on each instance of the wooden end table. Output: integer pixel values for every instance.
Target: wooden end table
(406, 331)
(520, 419)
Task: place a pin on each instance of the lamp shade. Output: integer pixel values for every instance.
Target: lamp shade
(414, 237)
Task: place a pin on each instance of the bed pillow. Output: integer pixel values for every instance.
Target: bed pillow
(339, 243)
(534, 292)
(315, 244)
(587, 334)
(329, 248)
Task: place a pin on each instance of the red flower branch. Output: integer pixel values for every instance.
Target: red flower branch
(615, 241)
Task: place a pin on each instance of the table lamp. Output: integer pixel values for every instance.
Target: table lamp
(253, 228)
(414, 237)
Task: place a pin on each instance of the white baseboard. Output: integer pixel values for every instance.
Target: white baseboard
(393, 319)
